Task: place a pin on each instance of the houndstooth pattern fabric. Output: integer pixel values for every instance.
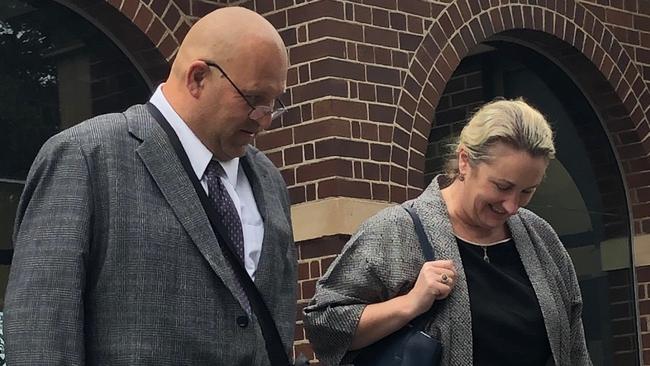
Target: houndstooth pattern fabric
(224, 206)
(110, 231)
(383, 259)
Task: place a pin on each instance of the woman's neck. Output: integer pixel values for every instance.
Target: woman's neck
(462, 222)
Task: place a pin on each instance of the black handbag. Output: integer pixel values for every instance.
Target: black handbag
(410, 345)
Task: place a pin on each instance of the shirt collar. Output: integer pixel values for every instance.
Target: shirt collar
(197, 153)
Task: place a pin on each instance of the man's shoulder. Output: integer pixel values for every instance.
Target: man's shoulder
(102, 129)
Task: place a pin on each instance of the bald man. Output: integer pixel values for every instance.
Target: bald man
(116, 261)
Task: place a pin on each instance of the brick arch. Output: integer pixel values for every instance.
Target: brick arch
(463, 25)
(164, 22)
(126, 35)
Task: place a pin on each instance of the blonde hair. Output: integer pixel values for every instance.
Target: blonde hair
(512, 122)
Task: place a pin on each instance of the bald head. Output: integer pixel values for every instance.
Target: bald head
(231, 62)
(227, 35)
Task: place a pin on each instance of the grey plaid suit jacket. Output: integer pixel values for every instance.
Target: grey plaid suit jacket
(116, 263)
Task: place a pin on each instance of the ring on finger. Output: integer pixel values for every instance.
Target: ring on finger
(444, 278)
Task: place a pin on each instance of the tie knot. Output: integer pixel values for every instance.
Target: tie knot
(214, 170)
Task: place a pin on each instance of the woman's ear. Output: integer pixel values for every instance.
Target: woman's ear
(463, 161)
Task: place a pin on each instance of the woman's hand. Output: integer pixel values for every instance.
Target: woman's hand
(435, 282)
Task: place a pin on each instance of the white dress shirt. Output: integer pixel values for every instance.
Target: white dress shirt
(235, 181)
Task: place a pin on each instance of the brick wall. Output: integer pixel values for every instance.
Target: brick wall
(368, 76)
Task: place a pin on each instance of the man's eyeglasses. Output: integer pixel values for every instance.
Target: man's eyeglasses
(259, 111)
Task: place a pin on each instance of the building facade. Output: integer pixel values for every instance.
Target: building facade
(376, 90)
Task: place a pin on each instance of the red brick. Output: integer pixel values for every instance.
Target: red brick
(156, 31)
(316, 50)
(278, 19)
(172, 16)
(397, 21)
(341, 147)
(314, 269)
(415, 24)
(303, 271)
(315, 10)
(274, 139)
(379, 152)
(383, 56)
(380, 36)
(324, 169)
(345, 188)
(380, 18)
(299, 333)
(336, 67)
(293, 155)
(409, 41)
(319, 89)
(335, 28)
(381, 113)
(143, 18)
(129, 8)
(327, 128)
(168, 46)
(181, 31)
(297, 194)
(311, 192)
(369, 131)
(416, 7)
(288, 174)
(370, 171)
(321, 247)
(340, 108)
(383, 75)
(308, 289)
(380, 192)
(387, 4)
(397, 194)
(157, 6)
(362, 14)
(366, 53)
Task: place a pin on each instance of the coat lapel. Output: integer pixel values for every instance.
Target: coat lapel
(456, 310)
(165, 168)
(256, 178)
(537, 277)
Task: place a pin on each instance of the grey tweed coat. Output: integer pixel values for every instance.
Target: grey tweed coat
(382, 260)
(116, 263)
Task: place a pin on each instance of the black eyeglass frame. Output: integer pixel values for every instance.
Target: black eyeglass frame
(262, 110)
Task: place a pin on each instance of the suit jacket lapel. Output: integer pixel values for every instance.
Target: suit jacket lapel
(164, 166)
(256, 178)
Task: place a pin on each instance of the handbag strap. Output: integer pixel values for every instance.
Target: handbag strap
(427, 248)
(421, 321)
(274, 346)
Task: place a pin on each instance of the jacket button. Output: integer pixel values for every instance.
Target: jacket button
(242, 321)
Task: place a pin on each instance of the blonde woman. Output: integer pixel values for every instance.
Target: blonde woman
(503, 290)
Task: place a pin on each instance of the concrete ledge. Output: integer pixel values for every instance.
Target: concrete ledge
(331, 216)
(641, 250)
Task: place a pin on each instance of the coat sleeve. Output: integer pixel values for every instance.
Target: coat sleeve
(44, 308)
(371, 268)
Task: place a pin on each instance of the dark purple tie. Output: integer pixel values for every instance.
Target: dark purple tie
(225, 206)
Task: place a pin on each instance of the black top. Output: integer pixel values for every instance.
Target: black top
(507, 323)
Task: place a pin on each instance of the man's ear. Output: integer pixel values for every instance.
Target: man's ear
(195, 80)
